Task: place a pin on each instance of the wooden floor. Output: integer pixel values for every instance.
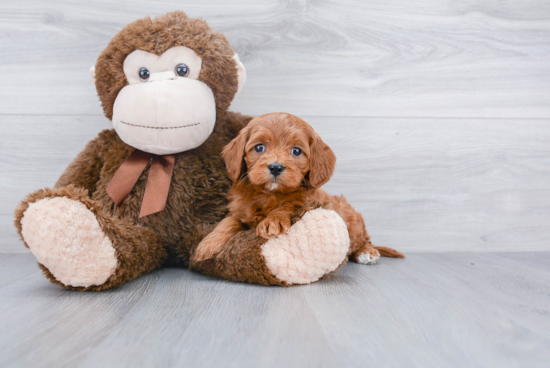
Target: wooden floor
(430, 310)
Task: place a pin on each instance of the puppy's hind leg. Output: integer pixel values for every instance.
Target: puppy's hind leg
(366, 254)
(361, 250)
(370, 254)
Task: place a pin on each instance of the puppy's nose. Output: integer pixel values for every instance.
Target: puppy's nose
(276, 169)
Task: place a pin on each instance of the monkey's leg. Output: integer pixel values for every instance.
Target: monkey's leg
(80, 247)
(313, 247)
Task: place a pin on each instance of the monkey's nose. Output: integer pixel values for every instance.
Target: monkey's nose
(276, 169)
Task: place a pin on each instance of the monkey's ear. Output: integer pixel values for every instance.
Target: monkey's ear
(233, 155)
(322, 162)
(241, 72)
(92, 73)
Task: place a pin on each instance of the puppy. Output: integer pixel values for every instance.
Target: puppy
(278, 164)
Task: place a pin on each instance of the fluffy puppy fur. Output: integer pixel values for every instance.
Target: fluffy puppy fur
(278, 164)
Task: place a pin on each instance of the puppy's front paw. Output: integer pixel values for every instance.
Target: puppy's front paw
(273, 226)
(207, 249)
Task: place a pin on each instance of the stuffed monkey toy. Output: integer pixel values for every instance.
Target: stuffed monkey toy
(143, 195)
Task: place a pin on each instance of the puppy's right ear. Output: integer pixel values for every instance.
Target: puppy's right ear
(233, 154)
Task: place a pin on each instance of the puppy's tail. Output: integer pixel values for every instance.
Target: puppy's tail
(389, 252)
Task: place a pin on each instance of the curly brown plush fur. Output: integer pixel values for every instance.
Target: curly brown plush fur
(199, 185)
(156, 36)
(197, 197)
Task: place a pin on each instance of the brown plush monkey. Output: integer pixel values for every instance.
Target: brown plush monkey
(144, 194)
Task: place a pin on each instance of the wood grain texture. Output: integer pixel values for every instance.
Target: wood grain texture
(394, 58)
(429, 310)
(421, 184)
(34, 151)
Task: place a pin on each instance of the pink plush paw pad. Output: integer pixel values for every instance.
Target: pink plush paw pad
(311, 248)
(64, 236)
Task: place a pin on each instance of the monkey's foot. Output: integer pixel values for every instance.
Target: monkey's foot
(66, 238)
(313, 247)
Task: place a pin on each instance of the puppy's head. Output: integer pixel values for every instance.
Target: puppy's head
(279, 152)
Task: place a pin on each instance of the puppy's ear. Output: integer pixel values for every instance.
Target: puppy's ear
(233, 155)
(322, 162)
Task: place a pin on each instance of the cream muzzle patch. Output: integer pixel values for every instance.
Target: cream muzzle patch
(161, 112)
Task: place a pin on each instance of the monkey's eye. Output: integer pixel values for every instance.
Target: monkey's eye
(182, 70)
(296, 151)
(259, 148)
(144, 74)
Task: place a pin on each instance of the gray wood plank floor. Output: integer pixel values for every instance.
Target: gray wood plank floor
(430, 310)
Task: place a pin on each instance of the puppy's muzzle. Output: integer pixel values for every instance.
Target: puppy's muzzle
(276, 169)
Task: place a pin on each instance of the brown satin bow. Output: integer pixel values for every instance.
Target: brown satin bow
(158, 182)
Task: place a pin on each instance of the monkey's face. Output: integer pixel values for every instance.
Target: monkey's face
(165, 109)
(163, 81)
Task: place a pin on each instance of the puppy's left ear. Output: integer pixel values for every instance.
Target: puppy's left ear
(233, 155)
(322, 162)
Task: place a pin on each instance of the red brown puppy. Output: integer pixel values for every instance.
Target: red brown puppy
(278, 164)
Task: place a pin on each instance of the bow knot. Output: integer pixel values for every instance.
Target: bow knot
(158, 181)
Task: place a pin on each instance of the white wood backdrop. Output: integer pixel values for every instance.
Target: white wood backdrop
(439, 111)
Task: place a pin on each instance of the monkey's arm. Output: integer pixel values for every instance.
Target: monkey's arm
(316, 245)
(235, 122)
(216, 240)
(85, 169)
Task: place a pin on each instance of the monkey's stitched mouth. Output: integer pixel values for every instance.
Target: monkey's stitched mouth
(151, 127)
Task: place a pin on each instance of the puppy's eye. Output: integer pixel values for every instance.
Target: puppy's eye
(259, 148)
(182, 70)
(296, 151)
(144, 74)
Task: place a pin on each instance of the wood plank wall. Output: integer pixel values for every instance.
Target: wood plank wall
(439, 111)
